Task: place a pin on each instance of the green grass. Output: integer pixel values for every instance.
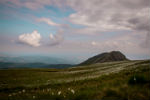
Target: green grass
(105, 81)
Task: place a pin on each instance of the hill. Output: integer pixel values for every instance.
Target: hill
(105, 57)
(120, 80)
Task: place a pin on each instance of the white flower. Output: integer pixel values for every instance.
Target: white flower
(9, 95)
(134, 79)
(59, 92)
(68, 88)
(72, 91)
(33, 97)
(23, 90)
(52, 93)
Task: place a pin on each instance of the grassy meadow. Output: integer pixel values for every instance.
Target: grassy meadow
(122, 80)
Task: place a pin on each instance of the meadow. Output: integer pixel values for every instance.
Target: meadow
(121, 80)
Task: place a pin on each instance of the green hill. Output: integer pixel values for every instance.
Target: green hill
(105, 57)
(119, 80)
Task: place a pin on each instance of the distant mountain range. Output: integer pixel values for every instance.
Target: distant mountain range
(50, 62)
(35, 59)
(6, 65)
(105, 57)
(34, 62)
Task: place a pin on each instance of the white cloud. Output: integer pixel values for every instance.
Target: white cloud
(93, 43)
(56, 39)
(47, 21)
(51, 36)
(32, 39)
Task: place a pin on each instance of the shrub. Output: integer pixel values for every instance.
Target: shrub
(137, 79)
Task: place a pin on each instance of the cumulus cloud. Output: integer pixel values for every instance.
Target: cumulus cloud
(47, 21)
(56, 39)
(32, 39)
(93, 43)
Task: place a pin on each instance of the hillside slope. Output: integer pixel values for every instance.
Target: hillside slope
(101, 81)
(105, 57)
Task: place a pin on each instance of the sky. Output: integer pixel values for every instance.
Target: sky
(75, 29)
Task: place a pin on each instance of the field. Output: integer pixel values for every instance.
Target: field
(123, 80)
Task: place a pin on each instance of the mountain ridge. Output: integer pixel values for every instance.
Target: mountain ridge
(105, 57)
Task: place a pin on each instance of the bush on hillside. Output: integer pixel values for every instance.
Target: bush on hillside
(137, 79)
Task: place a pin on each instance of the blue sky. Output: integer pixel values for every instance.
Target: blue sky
(74, 29)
